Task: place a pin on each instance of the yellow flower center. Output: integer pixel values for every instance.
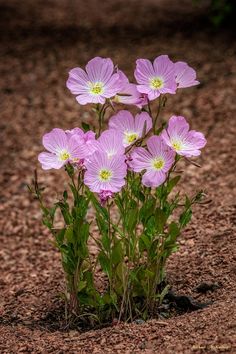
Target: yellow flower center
(177, 145)
(156, 83)
(64, 155)
(130, 137)
(158, 163)
(105, 175)
(96, 88)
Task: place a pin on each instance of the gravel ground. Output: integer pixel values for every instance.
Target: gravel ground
(42, 40)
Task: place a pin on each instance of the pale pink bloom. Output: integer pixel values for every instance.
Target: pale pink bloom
(104, 174)
(157, 78)
(130, 127)
(98, 82)
(110, 142)
(61, 150)
(129, 94)
(156, 161)
(86, 141)
(182, 140)
(185, 75)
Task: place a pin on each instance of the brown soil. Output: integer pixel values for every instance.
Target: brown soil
(40, 42)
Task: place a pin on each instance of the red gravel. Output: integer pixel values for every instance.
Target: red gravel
(40, 42)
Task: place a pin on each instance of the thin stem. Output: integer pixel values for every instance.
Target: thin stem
(157, 115)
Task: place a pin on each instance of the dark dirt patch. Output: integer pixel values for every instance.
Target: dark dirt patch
(42, 40)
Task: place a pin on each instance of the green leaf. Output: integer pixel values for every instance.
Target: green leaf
(69, 235)
(160, 220)
(85, 126)
(82, 285)
(117, 253)
(147, 210)
(144, 243)
(131, 218)
(105, 263)
(60, 237)
(185, 217)
(172, 183)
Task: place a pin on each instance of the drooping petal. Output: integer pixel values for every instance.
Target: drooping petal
(185, 75)
(55, 141)
(49, 161)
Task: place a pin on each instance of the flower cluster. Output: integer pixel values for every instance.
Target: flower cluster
(126, 167)
(105, 159)
(101, 80)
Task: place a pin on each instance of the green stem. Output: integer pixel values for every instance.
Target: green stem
(157, 115)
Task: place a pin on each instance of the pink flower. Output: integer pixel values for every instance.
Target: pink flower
(129, 93)
(62, 150)
(105, 196)
(110, 142)
(86, 141)
(157, 78)
(182, 140)
(185, 75)
(104, 174)
(131, 128)
(157, 161)
(97, 83)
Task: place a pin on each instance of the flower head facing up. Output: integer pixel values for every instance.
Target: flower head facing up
(157, 78)
(185, 75)
(130, 127)
(98, 82)
(157, 161)
(182, 140)
(110, 142)
(104, 174)
(61, 148)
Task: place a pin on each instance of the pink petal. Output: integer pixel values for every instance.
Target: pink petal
(49, 161)
(122, 121)
(111, 142)
(144, 71)
(140, 120)
(88, 98)
(164, 67)
(153, 178)
(100, 69)
(78, 81)
(140, 160)
(55, 141)
(185, 75)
